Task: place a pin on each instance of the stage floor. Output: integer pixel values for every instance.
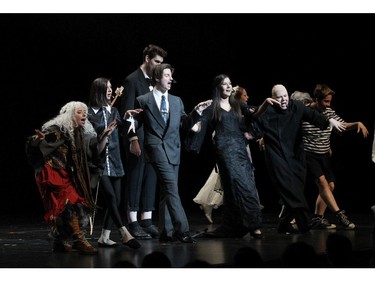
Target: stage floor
(24, 243)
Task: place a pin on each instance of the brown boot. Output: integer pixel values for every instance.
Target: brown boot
(82, 245)
(60, 246)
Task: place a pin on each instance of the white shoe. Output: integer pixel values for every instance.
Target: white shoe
(104, 240)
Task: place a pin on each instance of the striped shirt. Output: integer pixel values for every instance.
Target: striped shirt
(316, 140)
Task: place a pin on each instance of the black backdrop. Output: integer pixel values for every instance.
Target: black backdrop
(50, 59)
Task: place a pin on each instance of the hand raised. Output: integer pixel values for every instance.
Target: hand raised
(200, 107)
(132, 112)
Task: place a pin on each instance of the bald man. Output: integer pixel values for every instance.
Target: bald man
(284, 155)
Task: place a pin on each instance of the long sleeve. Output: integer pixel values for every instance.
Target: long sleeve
(194, 140)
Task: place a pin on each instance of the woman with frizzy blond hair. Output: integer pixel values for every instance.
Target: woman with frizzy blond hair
(58, 153)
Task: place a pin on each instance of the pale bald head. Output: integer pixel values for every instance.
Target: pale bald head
(280, 94)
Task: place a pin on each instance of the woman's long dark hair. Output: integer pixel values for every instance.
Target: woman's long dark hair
(216, 96)
(98, 93)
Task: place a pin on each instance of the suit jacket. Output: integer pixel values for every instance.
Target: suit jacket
(162, 141)
(135, 85)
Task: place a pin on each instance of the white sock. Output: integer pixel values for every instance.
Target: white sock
(132, 216)
(146, 215)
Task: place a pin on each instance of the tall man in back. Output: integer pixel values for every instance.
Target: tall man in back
(141, 178)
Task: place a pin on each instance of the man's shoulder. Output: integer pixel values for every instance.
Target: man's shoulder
(172, 96)
(134, 75)
(145, 96)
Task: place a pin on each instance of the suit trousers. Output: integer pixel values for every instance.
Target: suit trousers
(141, 182)
(172, 216)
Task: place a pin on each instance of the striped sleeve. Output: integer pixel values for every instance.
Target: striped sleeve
(315, 139)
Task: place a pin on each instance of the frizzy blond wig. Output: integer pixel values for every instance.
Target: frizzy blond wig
(66, 120)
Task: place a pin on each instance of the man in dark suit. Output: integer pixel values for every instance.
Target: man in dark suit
(141, 179)
(162, 148)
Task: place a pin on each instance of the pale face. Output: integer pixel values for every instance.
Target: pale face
(80, 116)
(244, 97)
(166, 80)
(281, 95)
(324, 103)
(109, 91)
(226, 88)
(152, 63)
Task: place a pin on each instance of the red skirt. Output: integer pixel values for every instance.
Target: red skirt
(56, 189)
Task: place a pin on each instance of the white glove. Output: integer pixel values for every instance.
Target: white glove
(333, 123)
(132, 124)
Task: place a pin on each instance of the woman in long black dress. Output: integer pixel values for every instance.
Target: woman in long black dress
(241, 209)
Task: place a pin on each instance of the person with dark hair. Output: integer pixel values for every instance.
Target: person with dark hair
(105, 117)
(284, 155)
(299, 254)
(162, 116)
(211, 195)
(339, 250)
(318, 151)
(156, 259)
(140, 187)
(58, 153)
(229, 121)
(247, 257)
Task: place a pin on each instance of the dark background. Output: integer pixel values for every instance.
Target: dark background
(50, 59)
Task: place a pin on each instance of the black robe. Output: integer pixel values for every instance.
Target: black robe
(284, 154)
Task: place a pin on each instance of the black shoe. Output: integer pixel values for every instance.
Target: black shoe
(132, 243)
(152, 230)
(137, 232)
(288, 228)
(104, 245)
(184, 237)
(256, 235)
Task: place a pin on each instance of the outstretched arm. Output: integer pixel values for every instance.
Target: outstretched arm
(262, 108)
(360, 128)
(199, 108)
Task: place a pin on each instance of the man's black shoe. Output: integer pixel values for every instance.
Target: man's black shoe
(288, 228)
(184, 237)
(152, 230)
(137, 232)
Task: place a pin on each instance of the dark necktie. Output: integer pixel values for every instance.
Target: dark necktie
(149, 81)
(163, 109)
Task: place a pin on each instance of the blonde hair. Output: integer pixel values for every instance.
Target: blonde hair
(66, 121)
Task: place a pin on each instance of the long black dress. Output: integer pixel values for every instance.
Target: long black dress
(241, 209)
